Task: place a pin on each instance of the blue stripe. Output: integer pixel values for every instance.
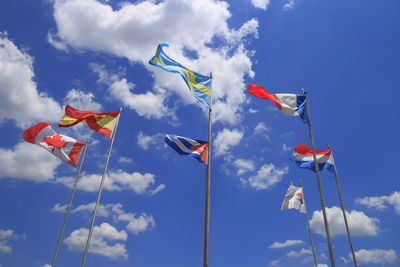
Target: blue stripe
(311, 166)
(302, 108)
(186, 143)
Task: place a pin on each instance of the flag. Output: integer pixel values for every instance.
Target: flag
(294, 199)
(289, 104)
(199, 85)
(187, 146)
(101, 122)
(61, 146)
(303, 156)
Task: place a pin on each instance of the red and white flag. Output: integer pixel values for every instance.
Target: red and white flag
(61, 146)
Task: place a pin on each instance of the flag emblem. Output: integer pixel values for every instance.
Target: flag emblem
(199, 85)
(187, 146)
(101, 122)
(288, 104)
(294, 199)
(303, 156)
(66, 148)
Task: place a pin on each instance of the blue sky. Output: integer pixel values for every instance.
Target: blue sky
(93, 55)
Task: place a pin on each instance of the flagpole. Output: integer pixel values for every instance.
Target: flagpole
(309, 228)
(343, 210)
(71, 198)
(321, 193)
(100, 191)
(208, 187)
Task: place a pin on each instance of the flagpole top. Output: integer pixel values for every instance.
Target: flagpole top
(300, 183)
(304, 92)
(211, 75)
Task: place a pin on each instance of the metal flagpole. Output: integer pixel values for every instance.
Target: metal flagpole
(71, 198)
(100, 190)
(208, 187)
(321, 193)
(309, 228)
(343, 210)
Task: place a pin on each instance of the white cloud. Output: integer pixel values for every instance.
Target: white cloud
(378, 256)
(145, 141)
(82, 100)
(300, 253)
(135, 29)
(266, 176)
(137, 223)
(19, 98)
(38, 164)
(244, 165)
(252, 111)
(359, 223)
(100, 243)
(382, 202)
(5, 237)
(115, 181)
(287, 243)
(124, 160)
(323, 265)
(225, 140)
(47, 265)
(285, 148)
(148, 105)
(261, 128)
(274, 263)
(262, 4)
(289, 5)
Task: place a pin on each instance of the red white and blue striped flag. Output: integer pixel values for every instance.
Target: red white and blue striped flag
(187, 146)
(303, 156)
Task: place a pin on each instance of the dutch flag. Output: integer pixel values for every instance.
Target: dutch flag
(303, 156)
(187, 146)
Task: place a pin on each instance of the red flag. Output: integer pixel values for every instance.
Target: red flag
(61, 146)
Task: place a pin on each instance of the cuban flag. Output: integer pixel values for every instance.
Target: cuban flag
(288, 104)
(187, 146)
(303, 156)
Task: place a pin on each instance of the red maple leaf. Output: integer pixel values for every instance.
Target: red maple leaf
(55, 141)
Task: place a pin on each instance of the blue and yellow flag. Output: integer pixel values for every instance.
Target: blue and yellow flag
(199, 85)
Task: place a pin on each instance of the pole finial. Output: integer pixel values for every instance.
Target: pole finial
(304, 92)
(211, 75)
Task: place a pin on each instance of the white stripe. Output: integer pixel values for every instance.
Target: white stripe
(320, 158)
(180, 145)
(288, 103)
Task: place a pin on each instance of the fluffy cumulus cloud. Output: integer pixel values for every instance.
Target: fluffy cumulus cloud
(226, 139)
(244, 165)
(287, 243)
(117, 181)
(382, 202)
(148, 105)
(103, 236)
(136, 223)
(20, 99)
(263, 4)
(360, 224)
(38, 164)
(300, 253)
(289, 5)
(82, 100)
(146, 141)
(135, 29)
(377, 256)
(266, 176)
(5, 237)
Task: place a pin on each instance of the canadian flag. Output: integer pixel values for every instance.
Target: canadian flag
(61, 146)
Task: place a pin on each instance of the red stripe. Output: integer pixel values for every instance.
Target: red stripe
(261, 92)
(305, 150)
(30, 134)
(75, 153)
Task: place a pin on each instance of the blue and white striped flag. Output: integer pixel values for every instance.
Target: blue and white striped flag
(187, 146)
